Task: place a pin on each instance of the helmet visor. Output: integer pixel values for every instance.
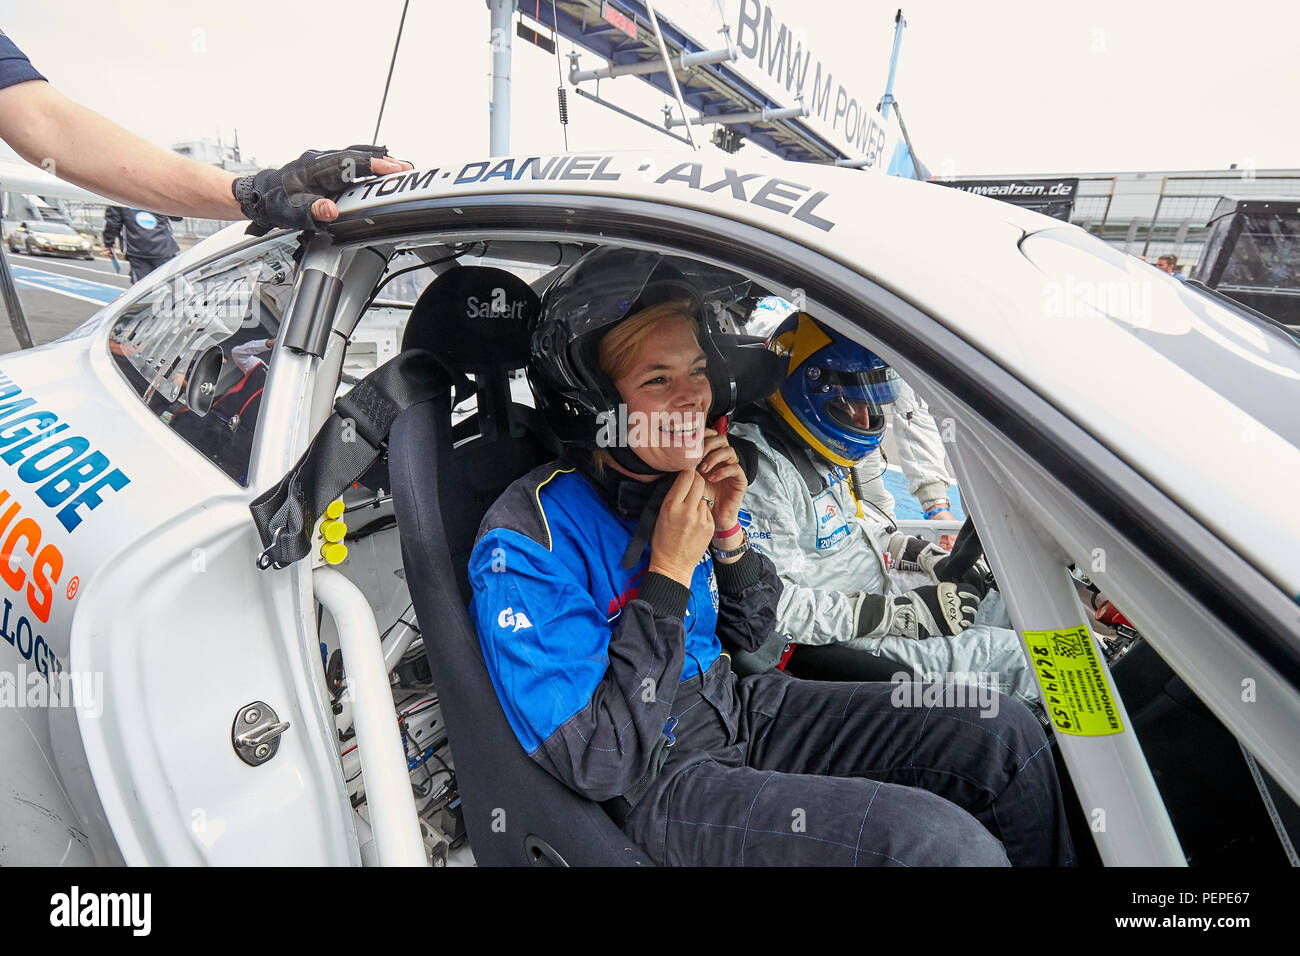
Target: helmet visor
(856, 416)
(601, 290)
(878, 386)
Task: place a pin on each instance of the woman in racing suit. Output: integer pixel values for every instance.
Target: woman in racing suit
(603, 582)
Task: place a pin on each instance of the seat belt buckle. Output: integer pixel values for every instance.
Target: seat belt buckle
(264, 560)
(669, 727)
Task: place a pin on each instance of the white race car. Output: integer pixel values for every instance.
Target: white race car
(178, 691)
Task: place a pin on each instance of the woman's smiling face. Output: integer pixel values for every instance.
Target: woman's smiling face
(666, 390)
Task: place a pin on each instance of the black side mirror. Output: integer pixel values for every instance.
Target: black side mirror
(201, 383)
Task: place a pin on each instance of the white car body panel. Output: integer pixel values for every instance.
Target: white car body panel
(176, 660)
(185, 630)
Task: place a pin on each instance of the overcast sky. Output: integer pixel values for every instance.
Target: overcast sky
(1036, 86)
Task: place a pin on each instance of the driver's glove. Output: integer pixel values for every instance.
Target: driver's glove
(908, 553)
(275, 198)
(934, 610)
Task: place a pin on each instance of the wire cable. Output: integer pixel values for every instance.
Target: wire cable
(401, 619)
(859, 494)
(391, 63)
(460, 251)
(561, 93)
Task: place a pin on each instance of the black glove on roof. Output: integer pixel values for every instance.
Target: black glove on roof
(282, 198)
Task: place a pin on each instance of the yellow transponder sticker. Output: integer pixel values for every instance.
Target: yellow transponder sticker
(1075, 693)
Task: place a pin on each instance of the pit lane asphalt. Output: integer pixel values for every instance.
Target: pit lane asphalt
(83, 288)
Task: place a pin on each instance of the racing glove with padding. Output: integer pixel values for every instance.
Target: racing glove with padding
(934, 610)
(276, 198)
(908, 553)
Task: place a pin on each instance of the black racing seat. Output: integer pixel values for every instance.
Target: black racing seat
(515, 812)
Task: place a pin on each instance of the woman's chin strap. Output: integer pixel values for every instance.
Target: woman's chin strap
(645, 527)
(631, 462)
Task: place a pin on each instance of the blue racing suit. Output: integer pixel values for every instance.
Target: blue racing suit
(586, 655)
(613, 679)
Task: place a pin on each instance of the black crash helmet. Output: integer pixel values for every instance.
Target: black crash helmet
(597, 292)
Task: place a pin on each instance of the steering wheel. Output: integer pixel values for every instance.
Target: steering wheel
(966, 550)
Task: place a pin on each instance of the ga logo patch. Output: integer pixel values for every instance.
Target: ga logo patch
(515, 622)
(146, 220)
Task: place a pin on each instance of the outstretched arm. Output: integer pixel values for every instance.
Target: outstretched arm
(79, 145)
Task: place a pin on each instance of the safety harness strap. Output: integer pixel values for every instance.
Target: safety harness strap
(351, 440)
(779, 437)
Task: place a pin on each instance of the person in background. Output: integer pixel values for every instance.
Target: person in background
(922, 457)
(147, 240)
(84, 148)
(1170, 264)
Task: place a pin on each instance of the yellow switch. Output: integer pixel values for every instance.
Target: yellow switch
(334, 553)
(334, 508)
(333, 531)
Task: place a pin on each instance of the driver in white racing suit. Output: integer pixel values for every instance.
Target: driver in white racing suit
(854, 594)
(921, 453)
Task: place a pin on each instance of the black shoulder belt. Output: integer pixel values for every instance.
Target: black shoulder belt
(344, 448)
(779, 436)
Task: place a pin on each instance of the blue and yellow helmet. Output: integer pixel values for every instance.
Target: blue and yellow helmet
(834, 390)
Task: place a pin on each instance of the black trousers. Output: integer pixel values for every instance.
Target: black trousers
(141, 266)
(770, 770)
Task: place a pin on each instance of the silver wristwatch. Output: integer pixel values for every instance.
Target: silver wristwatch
(736, 552)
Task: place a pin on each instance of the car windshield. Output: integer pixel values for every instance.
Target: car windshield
(56, 228)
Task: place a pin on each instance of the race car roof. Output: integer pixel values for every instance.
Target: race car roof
(1194, 394)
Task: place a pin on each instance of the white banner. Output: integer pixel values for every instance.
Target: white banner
(781, 56)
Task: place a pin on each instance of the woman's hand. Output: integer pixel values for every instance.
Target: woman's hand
(720, 467)
(683, 529)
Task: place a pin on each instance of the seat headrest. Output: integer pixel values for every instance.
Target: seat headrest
(757, 370)
(474, 317)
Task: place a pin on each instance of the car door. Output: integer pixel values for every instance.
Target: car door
(172, 617)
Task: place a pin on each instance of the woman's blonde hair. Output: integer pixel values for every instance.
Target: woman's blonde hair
(621, 343)
(618, 349)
